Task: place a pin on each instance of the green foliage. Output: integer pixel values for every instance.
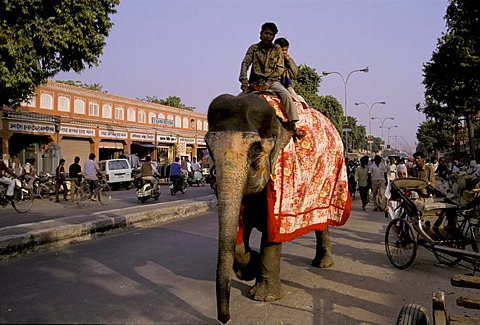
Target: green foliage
(38, 39)
(77, 83)
(307, 84)
(437, 134)
(452, 76)
(172, 101)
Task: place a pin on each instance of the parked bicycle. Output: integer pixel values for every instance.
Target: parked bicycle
(22, 197)
(437, 224)
(83, 192)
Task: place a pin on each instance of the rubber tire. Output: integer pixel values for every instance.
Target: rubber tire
(22, 201)
(394, 249)
(413, 314)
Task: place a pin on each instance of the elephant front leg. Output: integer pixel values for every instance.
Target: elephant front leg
(323, 254)
(268, 287)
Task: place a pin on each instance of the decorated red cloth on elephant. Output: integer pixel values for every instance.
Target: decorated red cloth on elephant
(309, 188)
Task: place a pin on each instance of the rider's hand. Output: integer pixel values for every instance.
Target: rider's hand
(244, 87)
(263, 88)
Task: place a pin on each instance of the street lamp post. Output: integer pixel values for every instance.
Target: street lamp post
(383, 122)
(388, 133)
(370, 120)
(345, 81)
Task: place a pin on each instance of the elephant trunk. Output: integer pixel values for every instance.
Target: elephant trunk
(230, 153)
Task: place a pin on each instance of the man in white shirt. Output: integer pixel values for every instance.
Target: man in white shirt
(377, 176)
(391, 170)
(90, 170)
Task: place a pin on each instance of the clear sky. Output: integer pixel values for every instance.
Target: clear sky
(193, 49)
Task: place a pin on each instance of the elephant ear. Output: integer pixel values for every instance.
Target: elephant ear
(260, 156)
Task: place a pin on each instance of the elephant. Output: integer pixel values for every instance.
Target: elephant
(246, 136)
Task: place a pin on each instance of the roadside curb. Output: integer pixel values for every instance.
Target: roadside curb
(32, 237)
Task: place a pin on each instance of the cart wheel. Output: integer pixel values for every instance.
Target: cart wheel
(447, 259)
(400, 243)
(413, 314)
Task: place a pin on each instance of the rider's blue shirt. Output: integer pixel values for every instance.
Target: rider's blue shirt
(175, 169)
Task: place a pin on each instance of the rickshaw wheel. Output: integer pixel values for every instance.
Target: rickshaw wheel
(400, 243)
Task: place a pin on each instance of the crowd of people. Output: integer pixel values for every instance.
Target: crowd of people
(372, 177)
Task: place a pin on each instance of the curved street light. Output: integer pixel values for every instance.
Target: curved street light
(370, 119)
(383, 122)
(388, 133)
(345, 81)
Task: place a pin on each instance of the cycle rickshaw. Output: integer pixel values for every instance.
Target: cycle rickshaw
(434, 222)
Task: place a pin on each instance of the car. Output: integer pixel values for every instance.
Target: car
(118, 173)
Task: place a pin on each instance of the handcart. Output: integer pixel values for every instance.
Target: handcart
(428, 219)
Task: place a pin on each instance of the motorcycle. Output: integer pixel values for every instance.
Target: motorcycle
(44, 185)
(178, 184)
(145, 189)
(196, 178)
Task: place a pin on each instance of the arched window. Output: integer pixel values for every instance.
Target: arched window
(93, 109)
(79, 106)
(161, 115)
(205, 126)
(119, 113)
(107, 111)
(63, 103)
(151, 116)
(199, 125)
(46, 100)
(185, 123)
(142, 116)
(131, 114)
(178, 122)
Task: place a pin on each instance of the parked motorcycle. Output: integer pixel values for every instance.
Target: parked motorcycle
(44, 185)
(178, 184)
(145, 189)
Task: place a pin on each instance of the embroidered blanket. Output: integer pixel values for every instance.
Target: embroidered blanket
(309, 189)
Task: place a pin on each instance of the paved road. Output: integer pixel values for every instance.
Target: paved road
(47, 209)
(165, 274)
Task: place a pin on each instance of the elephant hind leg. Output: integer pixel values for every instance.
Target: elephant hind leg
(246, 263)
(323, 254)
(268, 287)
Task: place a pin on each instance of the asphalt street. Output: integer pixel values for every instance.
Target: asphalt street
(165, 274)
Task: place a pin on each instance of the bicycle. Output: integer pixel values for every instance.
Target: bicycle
(22, 197)
(83, 192)
(441, 226)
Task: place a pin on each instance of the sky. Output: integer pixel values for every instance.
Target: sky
(193, 50)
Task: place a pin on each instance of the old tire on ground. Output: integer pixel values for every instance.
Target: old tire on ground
(413, 314)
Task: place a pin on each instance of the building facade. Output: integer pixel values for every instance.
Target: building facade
(64, 121)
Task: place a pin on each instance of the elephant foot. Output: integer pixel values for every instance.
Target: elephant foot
(266, 291)
(323, 262)
(246, 268)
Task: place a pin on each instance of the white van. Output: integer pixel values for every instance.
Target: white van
(118, 172)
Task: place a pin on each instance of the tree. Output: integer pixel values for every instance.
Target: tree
(172, 101)
(38, 39)
(306, 84)
(77, 83)
(452, 77)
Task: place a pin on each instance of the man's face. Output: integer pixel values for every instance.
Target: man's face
(285, 51)
(267, 36)
(419, 161)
